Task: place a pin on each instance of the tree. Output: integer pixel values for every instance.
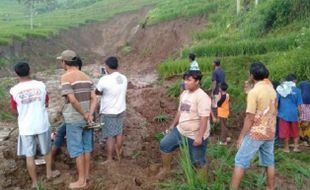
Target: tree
(238, 6)
(31, 6)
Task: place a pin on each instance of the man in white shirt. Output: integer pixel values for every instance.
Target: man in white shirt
(112, 88)
(29, 98)
(193, 63)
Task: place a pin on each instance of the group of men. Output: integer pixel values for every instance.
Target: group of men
(191, 123)
(30, 99)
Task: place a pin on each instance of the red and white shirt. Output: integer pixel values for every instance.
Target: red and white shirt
(30, 99)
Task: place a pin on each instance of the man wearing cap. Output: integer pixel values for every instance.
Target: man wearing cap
(80, 102)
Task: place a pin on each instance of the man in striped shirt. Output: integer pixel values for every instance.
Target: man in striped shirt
(80, 102)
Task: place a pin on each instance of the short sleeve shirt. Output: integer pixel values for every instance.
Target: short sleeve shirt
(261, 102)
(194, 66)
(193, 105)
(30, 100)
(78, 83)
(288, 106)
(304, 86)
(218, 75)
(113, 88)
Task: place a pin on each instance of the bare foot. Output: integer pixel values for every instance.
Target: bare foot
(77, 185)
(34, 185)
(54, 174)
(162, 174)
(119, 154)
(106, 162)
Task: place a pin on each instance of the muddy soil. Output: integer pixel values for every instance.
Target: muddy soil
(140, 50)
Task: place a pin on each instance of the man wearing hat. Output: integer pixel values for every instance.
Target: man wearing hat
(80, 102)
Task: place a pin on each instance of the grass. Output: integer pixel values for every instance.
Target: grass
(14, 18)
(5, 111)
(162, 118)
(281, 42)
(220, 168)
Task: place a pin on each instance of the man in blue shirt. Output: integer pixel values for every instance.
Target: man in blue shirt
(289, 102)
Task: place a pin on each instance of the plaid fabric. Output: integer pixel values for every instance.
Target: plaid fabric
(304, 129)
(305, 112)
(113, 124)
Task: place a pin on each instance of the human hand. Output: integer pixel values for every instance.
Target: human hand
(197, 141)
(169, 129)
(90, 119)
(86, 116)
(239, 141)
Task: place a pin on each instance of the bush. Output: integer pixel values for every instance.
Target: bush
(276, 13)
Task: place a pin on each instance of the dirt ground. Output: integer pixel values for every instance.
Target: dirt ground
(140, 50)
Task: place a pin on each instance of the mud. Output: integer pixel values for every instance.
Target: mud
(139, 50)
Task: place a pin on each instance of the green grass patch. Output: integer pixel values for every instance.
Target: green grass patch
(5, 111)
(15, 21)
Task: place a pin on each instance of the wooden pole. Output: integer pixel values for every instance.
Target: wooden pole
(238, 6)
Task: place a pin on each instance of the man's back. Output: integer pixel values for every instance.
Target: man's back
(30, 99)
(288, 106)
(305, 91)
(218, 76)
(261, 101)
(77, 83)
(113, 88)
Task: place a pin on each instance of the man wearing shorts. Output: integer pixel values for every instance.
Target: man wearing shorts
(112, 88)
(290, 101)
(258, 130)
(80, 102)
(29, 98)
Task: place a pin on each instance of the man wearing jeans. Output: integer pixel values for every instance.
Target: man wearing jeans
(191, 122)
(259, 128)
(80, 103)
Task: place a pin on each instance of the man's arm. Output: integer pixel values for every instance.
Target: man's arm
(176, 120)
(92, 106)
(248, 122)
(203, 127)
(77, 106)
(213, 87)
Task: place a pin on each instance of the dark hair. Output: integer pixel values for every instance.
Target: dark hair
(290, 77)
(112, 62)
(259, 71)
(192, 73)
(76, 61)
(217, 62)
(275, 84)
(22, 69)
(192, 56)
(224, 86)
